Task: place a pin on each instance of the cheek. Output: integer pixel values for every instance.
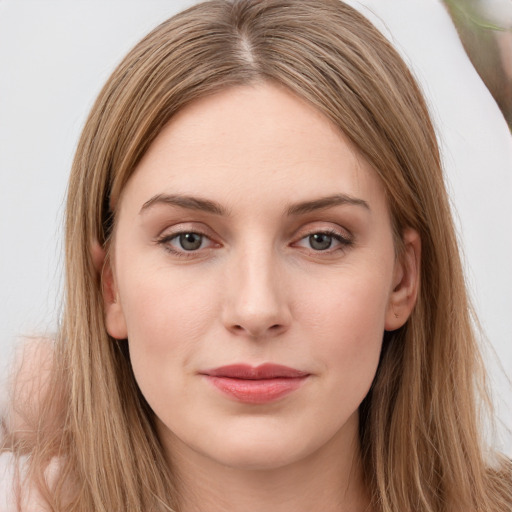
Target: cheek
(346, 306)
(346, 319)
(167, 315)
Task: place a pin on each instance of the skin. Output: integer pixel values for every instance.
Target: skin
(257, 290)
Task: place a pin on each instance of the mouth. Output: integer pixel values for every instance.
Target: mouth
(256, 385)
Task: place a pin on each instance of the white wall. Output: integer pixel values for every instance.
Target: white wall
(55, 56)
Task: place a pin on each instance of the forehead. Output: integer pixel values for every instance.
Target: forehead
(258, 142)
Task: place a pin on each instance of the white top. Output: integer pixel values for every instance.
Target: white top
(7, 502)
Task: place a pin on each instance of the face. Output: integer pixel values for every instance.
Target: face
(253, 273)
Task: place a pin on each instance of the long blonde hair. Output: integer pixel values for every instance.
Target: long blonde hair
(419, 425)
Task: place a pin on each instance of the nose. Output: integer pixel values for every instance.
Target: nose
(256, 304)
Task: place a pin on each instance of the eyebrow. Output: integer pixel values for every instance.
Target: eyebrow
(324, 203)
(208, 206)
(188, 202)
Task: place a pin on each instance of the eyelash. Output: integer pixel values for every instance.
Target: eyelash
(166, 239)
(344, 241)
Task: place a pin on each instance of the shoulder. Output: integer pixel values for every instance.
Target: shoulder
(14, 487)
(28, 384)
(7, 497)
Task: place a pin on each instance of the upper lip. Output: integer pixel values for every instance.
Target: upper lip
(248, 372)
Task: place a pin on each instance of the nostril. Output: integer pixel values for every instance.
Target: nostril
(274, 329)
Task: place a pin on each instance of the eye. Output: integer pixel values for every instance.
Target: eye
(327, 241)
(189, 241)
(320, 241)
(185, 243)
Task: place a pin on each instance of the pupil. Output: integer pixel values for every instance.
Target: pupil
(320, 241)
(190, 241)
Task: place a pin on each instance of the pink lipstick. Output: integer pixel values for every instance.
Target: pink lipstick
(256, 385)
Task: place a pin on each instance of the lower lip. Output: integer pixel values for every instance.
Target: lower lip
(258, 391)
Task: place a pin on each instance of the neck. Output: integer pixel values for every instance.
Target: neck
(330, 480)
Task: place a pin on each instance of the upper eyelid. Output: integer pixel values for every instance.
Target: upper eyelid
(185, 227)
(331, 230)
(209, 233)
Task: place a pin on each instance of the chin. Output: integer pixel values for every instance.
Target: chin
(256, 458)
(261, 451)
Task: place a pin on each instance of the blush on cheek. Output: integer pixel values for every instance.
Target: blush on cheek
(348, 322)
(167, 317)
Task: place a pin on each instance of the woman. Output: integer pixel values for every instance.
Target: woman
(265, 307)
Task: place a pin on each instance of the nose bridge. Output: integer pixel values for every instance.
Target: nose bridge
(257, 303)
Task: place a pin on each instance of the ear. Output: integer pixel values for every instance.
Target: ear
(406, 280)
(114, 317)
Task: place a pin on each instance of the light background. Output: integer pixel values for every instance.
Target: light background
(54, 57)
